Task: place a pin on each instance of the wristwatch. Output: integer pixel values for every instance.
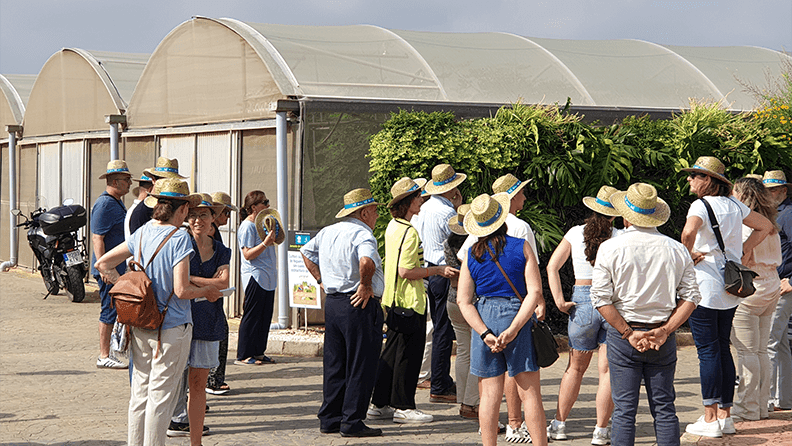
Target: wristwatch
(484, 335)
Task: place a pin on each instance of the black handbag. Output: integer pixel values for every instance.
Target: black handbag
(400, 319)
(544, 342)
(738, 278)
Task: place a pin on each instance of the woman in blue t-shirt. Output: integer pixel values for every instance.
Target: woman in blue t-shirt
(499, 316)
(208, 266)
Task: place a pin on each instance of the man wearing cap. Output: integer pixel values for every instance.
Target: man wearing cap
(145, 184)
(107, 231)
(343, 259)
(637, 280)
(778, 348)
(432, 226)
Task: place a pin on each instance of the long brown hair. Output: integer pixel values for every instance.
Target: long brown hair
(253, 198)
(754, 195)
(598, 228)
(165, 208)
(716, 188)
(498, 239)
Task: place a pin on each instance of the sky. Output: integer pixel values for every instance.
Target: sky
(33, 30)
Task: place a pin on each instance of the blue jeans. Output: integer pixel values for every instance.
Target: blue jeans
(780, 355)
(442, 337)
(628, 367)
(711, 331)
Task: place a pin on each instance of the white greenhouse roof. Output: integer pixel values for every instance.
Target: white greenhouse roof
(16, 91)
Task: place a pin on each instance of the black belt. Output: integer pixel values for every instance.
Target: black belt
(643, 325)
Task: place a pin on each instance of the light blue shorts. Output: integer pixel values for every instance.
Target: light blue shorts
(518, 356)
(587, 328)
(204, 354)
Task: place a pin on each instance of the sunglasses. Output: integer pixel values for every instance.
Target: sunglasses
(694, 175)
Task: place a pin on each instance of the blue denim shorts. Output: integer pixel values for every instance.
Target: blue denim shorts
(587, 328)
(204, 354)
(107, 315)
(518, 356)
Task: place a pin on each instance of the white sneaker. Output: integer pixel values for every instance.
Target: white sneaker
(519, 435)
(701, 427)
(727, 425)
(110, 363)
(379, 413)
(557, 430)
(411, 416)
(601, 436)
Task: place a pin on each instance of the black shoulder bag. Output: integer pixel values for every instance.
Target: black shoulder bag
(543, 340)
(738, 278)
(400, 319)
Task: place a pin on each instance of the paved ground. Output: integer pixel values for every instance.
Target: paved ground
(51, 393)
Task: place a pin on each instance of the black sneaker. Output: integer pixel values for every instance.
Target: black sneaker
(182, 429)
(365, 432)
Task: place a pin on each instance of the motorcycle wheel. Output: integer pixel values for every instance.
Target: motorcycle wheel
(49, 281)
(74, 283)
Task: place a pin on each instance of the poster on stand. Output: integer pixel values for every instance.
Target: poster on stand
(304, 292)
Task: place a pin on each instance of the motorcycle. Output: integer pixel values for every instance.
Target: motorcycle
(59, 250)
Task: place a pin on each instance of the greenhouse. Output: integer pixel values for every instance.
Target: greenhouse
(289, 109)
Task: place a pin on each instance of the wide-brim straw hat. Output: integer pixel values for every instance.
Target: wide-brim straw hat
(174, 189)
(641, 206)
(754, 176)
(206, 202)
(508, 184)
(711, 166)
(224, 199)
(422, 182)
(356, 199)
(444, 179)
(144, 179)
(164, 168)
(601, 203)
(402, 188)
(115, 166)
(775, 178)
(487, 214)
(269, 220)
(456, 222)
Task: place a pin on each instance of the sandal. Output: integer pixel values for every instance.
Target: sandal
(248, 361)
(219, 390)
(264, 359)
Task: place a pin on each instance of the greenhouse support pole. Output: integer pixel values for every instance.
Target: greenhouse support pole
(114, 121)
(12, 196)
(283, 204)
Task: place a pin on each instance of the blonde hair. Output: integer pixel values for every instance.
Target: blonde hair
(754, 195)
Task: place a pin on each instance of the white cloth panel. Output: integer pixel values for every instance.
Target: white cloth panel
(49, 176)
(213, 163)
(72, 166)
(183, 149)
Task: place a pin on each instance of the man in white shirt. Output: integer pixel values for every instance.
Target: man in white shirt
(644, 285)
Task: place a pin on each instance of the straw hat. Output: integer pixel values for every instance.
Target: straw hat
(444, 179)
(356, 199)
(116, 166)
(402, 188)
(206, 202)
(270, 220)
(165, 168)
(487, 214)
(456, 222)
(641, 206)
(422, 183)
(509, 184)
(775, 178)
(754, 176)
(172, 188)
(711, 166)
(224, 199)
(601, 202)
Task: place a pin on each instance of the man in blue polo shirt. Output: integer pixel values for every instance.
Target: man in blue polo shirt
(107, 231)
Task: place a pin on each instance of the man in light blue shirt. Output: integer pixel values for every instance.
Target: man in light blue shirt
(432, 225)
(343, 259)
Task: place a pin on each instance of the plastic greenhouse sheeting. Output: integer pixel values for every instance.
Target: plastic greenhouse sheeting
(16, 91)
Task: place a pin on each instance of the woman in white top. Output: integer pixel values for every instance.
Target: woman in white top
(587, 328)
(754, 315)
(711, 321)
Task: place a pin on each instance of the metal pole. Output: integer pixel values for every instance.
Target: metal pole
(12, 195)
(113, 141)
(283, 204)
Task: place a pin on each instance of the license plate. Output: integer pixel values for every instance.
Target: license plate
(73, 258)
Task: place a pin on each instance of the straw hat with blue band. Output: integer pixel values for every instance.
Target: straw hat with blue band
(114, 167)
(456, 222)
(487, 214)
(164, 168)
(601, 203)
(269, 220)
(710, 166)
(444, 179)
(356, 199)
(404, 187)
(641, 206)
(144, 179)
(224, 199)
(508, 184)
(206, 202)
(174, 189)
(775, 178)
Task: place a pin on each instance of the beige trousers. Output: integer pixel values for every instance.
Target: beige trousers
(467, 384)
